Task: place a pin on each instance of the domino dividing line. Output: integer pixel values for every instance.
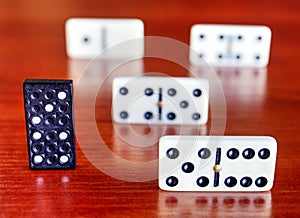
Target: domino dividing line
(217, 167)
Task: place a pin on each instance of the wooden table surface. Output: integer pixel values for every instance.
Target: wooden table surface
(258, 103)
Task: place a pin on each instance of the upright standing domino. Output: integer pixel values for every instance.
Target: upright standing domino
(160, 100)
(230, 45)
(88, 38)
(217, 163)
(49, 124)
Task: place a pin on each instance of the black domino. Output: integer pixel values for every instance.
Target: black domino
(50, 124)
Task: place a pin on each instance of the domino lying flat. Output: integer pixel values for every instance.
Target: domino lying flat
(160, 100)
(49, 124)
(230, 45)
(104, 38)
(217, 163)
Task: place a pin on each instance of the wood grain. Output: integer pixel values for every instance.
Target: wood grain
(32, 46)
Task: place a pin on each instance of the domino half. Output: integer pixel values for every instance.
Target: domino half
(49, 124)
(88, 38)
(160, 100)
(230, 45)
(217, 163)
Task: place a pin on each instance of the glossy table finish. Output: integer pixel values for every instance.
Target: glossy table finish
(258, 102)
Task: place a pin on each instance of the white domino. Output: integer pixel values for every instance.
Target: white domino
(217, 163)
(160, 100)
(230, 45)
(88, 38)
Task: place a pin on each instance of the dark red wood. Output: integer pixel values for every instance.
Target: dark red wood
(33, 46)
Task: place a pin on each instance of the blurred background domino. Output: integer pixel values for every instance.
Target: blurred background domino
(88, 38)
(230, 45)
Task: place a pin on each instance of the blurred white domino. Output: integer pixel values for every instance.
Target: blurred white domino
(230, 45)
(88, 38)
(217, 163)
(160, 100)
